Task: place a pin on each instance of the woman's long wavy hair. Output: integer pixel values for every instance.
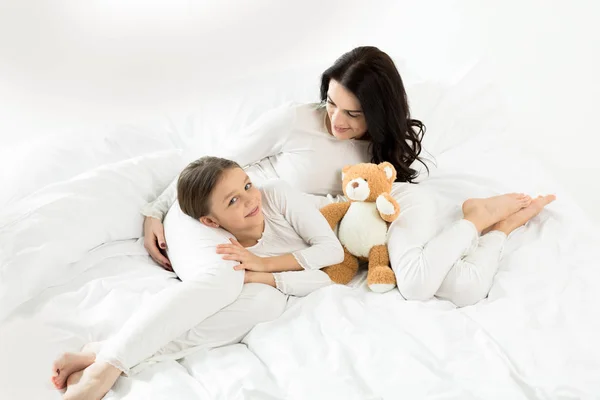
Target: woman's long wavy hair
(371, 75)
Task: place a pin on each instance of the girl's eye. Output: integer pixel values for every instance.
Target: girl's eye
(248, 186)
(233, 201)
(352, 115)
(329, 102)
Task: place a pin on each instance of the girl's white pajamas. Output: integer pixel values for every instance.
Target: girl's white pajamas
(292, 143)
(210, 286)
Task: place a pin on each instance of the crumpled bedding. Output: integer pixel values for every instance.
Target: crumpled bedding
(534, 337)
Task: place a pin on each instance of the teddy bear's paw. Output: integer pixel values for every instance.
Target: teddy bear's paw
(384, 205)
(381, 279)
(381, 287)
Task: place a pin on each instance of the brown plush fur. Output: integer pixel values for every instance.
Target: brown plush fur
(379, 184)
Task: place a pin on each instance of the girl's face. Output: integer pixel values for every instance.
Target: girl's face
(235, 204)
(346, 119)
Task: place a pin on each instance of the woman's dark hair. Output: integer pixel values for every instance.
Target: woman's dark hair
(196, 183)
(370, 74)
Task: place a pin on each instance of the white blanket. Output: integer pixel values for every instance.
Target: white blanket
(535, 337)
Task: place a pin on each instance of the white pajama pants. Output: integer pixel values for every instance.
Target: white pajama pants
(454, 263)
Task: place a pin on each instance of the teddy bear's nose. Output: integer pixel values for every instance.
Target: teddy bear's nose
(354, 185)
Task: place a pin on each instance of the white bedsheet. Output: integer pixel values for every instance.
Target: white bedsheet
(535, 337)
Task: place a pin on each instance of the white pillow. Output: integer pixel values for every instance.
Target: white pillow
(458, 108)
(31, 165)
(42, 235)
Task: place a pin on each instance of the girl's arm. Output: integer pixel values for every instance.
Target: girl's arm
(292, 283)
(325, 248)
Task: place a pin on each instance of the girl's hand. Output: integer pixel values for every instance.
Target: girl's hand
(236, 252)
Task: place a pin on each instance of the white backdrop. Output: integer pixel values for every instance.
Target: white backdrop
(69, 65)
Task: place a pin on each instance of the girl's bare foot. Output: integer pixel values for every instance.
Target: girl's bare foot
(94, 382)
(521, 217)
(67, 364)
(484, 213)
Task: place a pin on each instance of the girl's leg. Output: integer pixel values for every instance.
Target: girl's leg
(257, 303)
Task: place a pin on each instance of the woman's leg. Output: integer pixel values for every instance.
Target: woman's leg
(471, 278)
(421, 255)
(456, 264)
(257, 303)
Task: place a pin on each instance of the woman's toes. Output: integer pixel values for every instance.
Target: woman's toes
(549, 199)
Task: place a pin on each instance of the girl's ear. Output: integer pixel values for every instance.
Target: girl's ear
(209, 221)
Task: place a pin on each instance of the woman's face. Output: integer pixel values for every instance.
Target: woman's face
(236, 205)
(346, 119)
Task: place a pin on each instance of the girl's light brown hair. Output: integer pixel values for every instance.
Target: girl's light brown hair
(196, 183)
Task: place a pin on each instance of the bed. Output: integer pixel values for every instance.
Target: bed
(73, 269)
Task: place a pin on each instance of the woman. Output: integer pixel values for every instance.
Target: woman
(281, 241)
(366, 118)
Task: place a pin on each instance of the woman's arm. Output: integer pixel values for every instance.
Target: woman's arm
(159, 207)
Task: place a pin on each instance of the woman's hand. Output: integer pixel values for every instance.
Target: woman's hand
(154, 236)
(236, 252)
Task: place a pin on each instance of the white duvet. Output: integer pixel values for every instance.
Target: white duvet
(73, 270)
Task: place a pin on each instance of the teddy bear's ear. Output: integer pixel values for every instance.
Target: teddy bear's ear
(389, 170)
(345, 170)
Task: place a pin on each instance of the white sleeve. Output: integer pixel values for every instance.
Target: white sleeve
(325, 248)
(421, 255)
(265, 137)
(159, 207)
(209, 284)
(301, 283)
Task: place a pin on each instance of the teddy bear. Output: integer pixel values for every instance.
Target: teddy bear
(363, 224)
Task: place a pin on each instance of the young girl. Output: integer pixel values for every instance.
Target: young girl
(274, 239)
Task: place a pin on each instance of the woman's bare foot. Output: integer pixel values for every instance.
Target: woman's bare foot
(521, 217)
(484, 213)
(94, 382)
(67, 364)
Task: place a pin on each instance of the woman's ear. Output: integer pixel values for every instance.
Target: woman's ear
(208, 221)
